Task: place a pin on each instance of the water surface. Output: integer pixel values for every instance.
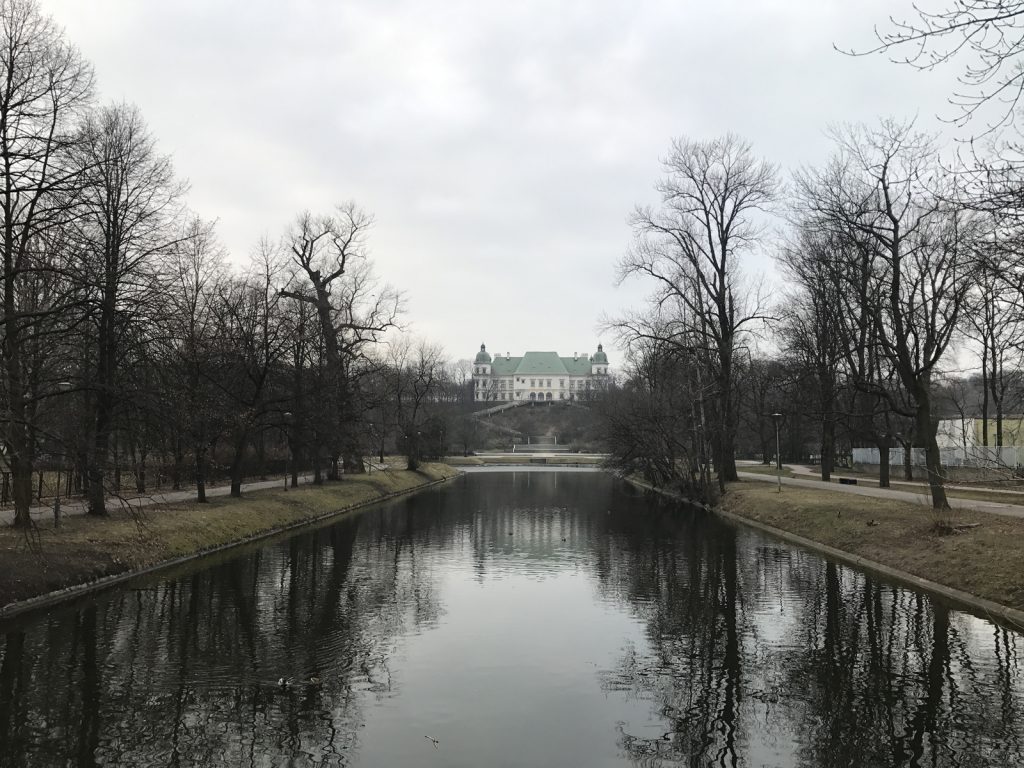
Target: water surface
(520, 619)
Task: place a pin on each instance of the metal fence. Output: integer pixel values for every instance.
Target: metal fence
(1011, 456)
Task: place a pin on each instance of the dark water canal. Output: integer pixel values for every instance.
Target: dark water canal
(520, 619)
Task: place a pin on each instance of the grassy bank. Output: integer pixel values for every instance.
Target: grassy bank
(983, 560)
(85, 549)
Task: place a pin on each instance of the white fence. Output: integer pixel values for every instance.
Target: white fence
(977, 456)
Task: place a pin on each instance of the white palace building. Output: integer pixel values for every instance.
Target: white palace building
(538, 376)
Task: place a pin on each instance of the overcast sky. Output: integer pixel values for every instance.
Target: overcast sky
(500, 145)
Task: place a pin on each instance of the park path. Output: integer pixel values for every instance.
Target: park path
(993, 507)
(813, 471)
(76, 506)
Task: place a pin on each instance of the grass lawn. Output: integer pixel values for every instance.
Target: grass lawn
(86, 548)
(983, 560)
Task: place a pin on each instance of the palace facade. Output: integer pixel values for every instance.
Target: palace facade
(538, 376)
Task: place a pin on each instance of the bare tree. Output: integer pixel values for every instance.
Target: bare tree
(812, 328)
(918, 251)
(760, 387)
(250, 342)
(44, 86)
(995, 324)
(333, 273)
(713, 195)
(195, 274)
(653, 425)
(128, 204)
(417, 372)
(988, 35)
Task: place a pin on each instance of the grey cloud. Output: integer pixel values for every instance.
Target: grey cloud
(500, 145)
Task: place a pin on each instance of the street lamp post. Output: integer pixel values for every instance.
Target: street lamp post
(777, 418)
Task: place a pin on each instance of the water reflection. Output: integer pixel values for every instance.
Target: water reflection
(760, 654)
(521, 619)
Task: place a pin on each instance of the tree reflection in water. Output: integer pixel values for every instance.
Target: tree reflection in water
(777, 657)
(727, 649)
(187, 672)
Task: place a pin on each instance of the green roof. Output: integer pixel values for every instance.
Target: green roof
(502, 366)
(577, 367)
(534, 363)
(540, 364)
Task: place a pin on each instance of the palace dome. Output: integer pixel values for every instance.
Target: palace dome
(599, 357)
(482, 356)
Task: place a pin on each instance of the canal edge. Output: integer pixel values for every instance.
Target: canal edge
(981, 606)
(17, 608)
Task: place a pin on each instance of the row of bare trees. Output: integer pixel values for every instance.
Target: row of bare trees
(128, 340)
(893, 261)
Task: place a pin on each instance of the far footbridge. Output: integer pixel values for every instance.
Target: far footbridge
(539, 444)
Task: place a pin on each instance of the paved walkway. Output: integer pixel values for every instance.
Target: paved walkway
(77, 506)
(994, 507)
(812, 471)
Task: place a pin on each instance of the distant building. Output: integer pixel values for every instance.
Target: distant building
(538, 376)
(968, 432)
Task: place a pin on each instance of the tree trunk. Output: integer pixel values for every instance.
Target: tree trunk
(236, 481)
(908, 460)
(236, 466)
(318, 478)
(925, 430)
(21, 490)
(984, 394)
(999, 423)
(178, 469)
(883, 462)
(200, 452)
(138, 461)
(140, 472)
(727, 468)
(97, 496)
(828, 447)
